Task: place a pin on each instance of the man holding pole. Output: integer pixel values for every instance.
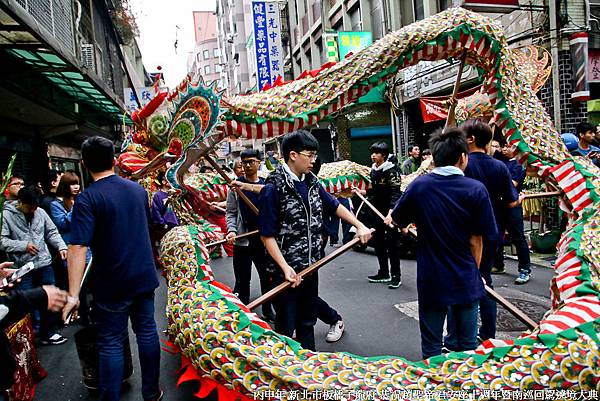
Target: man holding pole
(111, 216)
(384, 193)
(494, 175)
(454, 216)
(290, 223)
(240, 219)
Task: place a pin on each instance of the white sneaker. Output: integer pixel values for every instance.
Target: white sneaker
(335, 331)
(54, 339)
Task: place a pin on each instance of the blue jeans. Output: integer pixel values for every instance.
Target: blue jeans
(487, 306)
(43, 320)
(112, 320)
(431, 324)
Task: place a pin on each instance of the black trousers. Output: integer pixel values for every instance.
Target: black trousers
(386, 249)
(296, 309)
(513, 222)
(243, 257)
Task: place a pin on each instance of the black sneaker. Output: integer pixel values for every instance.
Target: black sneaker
(395, 283)
(380, 278)
(54, 339)
(498, 270)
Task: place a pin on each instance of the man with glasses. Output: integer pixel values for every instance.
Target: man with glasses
(14, 185)
(240, 219)
(290, 223)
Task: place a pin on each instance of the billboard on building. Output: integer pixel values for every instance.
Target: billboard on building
(353, 41)
(267, 42)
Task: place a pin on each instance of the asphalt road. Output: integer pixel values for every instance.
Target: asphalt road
(378, 320)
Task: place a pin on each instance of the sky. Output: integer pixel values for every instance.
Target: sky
(161, 23)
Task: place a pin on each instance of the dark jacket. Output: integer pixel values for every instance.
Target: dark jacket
(385, 187)
(17, 304)
(299, 236)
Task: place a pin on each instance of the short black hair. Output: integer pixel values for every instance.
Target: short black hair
(479, 131)
(411, 147)
(297, 141)
(448, 146)
(29, 195)
(97, 154)
(584, 127)
(248, 153)
(205, 169)
(380, 147)
(426, 152)
(51, 176)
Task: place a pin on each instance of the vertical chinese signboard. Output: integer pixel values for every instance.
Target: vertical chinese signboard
(267, 42)
(594, 66)
(351, 42)
(143, 94)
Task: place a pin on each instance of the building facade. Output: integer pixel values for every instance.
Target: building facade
(204, 61)
(63, 72)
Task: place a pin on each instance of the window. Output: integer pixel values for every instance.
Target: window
(216, 52)
(419, 9)
(206, 54)
(444, 4)
(218, 68)
(207, 70)
(355, 20)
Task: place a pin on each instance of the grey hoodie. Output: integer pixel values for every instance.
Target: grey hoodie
(17, 233)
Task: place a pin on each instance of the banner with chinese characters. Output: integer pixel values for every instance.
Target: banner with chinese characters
(267, 42)
(594, 65)
(353, 41)
(144, 96)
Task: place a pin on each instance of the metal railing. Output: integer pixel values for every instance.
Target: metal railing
(56, 16)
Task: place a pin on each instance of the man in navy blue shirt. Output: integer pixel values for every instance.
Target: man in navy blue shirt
(454, 217)
(290, 223)
(111, 216)
(494, 175)
(512, 218)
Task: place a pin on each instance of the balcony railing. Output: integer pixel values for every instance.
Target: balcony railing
(316, 9)
(54, 15)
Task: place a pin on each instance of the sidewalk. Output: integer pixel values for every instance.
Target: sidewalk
(538, 259)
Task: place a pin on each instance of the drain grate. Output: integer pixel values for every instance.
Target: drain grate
(507, 322)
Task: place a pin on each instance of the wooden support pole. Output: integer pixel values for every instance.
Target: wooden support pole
(222, 173)
(542, 195)
(244, 235)
(310, 269)
(369, 204)
(516, 312)
(451, 120)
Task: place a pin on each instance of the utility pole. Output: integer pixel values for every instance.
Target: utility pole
(554, 53)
